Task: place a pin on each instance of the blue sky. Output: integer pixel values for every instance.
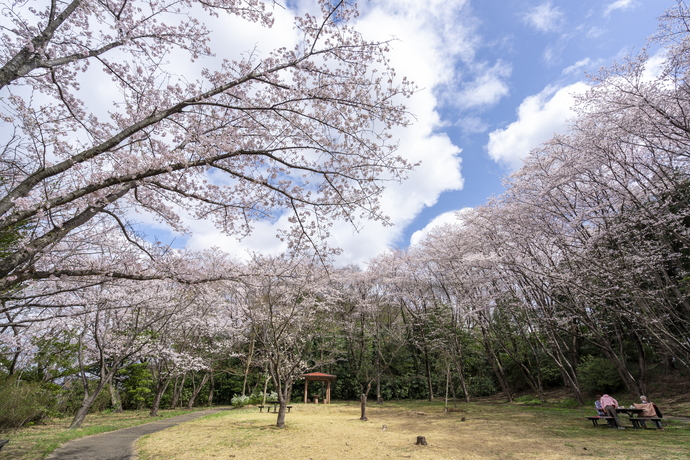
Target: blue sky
(547, 46)
(495, 79)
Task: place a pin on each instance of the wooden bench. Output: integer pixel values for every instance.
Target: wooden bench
(595, 420)
(641, 422)
(274, 406)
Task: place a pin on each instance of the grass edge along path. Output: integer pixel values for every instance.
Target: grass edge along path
(38, 441)
(470, 431)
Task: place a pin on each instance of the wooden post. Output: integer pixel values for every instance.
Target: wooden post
(328, 392)
(306, 389)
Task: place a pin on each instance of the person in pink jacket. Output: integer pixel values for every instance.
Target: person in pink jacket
(609, 404)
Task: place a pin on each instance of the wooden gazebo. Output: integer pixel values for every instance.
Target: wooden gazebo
(318, 377)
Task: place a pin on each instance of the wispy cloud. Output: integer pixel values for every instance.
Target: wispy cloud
(619, 5)
(544, 18)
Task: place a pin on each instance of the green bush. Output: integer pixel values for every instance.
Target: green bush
(23, 403)
(597, 375)
(481, 385)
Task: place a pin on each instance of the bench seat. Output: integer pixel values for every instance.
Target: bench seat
(641, 422)
(595, 419)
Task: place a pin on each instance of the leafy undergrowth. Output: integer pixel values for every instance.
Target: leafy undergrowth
(36, 442)
(467, 431)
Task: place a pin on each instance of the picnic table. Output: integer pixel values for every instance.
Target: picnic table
(633, 415)
(636, 420)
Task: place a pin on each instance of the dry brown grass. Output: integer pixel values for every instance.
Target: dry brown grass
(490, 431)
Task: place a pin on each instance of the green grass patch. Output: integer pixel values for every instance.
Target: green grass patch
(37, 441)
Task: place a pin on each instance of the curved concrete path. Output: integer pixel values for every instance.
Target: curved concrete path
(117, 445)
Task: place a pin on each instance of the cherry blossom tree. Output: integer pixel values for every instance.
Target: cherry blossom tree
(368, 325)
(286, 313)
(303, 129)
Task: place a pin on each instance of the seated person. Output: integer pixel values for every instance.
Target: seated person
(648, 411)
(597, 404)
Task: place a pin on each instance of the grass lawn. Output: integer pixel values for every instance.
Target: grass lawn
(472, 431)
(36, 442)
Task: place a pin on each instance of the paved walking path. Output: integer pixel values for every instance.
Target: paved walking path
(117, 445)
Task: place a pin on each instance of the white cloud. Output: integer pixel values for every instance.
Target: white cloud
(428, 33)
(447, 218)
(619, 5)
(487, 88)
(539, 117)
(544, 18)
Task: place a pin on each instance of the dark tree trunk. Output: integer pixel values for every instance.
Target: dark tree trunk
(86, 404)
(428, 374)
(160, 391)
(211, 387)
(363, 407)
(282, 409)
(177, 391)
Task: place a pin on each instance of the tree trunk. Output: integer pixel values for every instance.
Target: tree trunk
(282, 408)
(160, 391)
(86, 404)
(177, 391)
(379, 399)
(363, 407)
(115, 398)
(197, 390)
(496, 366)
(428, 374)
(246, 369)
(210, 390)
(263, 403)
(447, 385)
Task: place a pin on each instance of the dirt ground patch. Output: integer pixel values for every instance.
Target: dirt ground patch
(474, 431)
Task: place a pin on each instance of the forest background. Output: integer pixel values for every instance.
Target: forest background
(576, 277)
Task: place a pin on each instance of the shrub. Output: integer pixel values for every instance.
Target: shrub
(22, 403)
(239, 400)
(254, 398)
(597, 375)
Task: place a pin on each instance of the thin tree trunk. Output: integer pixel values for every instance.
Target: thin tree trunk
(211, 387)
(363, 402)
(447, 385)
(265, 388)
(177, 391)
(246, 368)
(115, 399)
(197, 390)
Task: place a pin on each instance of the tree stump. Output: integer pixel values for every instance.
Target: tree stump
(421, 440)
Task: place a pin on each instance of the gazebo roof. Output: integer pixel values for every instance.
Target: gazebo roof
(318, 376)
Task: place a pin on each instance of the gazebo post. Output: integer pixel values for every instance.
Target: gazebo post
(306, 389)
(328, 392)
